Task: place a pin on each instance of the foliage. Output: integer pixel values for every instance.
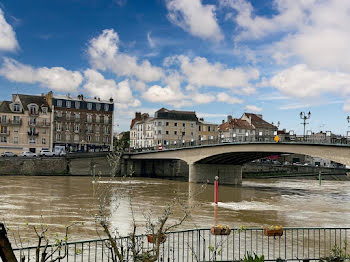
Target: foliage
(253, 258)
(122, 143)
(337, 254)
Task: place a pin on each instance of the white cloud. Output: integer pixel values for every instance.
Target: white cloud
(151, 43)
(225, 98)
(195, 18)
(55, 78)
(166, 95)
(200, 72)
(104, 55)
(97, 85)
(301, 81)
(201, 98)
(8, 40)
(252, 108)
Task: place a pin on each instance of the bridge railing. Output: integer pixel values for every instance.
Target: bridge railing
(266, 139)
(201, 245)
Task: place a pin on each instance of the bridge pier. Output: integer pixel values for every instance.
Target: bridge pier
(228, 174)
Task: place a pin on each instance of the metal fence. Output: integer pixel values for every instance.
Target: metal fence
(201, 245)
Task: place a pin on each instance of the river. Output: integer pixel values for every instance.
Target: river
(63, 200)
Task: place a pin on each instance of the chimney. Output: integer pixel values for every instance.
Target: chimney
(111, 100)
(229, 118)
(201, 119)
(138, 115)
(223, 121)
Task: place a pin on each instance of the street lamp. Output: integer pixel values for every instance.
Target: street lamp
(304, 117)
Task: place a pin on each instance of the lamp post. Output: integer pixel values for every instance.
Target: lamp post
(304, 117)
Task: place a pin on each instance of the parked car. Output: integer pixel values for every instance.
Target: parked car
(28, 154)
(276, 162)
(61, 153)
(8, 154)
(46, 152)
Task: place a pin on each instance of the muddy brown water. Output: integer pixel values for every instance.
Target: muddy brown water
(63, 200)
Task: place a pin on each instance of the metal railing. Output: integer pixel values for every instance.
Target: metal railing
(195, 143)
(200, 245)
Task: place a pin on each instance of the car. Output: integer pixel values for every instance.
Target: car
(46, 152)
(61, 153)
(28, 154)
(8, 154)
(276, 162)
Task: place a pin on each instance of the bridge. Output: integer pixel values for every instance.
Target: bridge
(226, 159)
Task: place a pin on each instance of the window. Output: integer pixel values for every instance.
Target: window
(191, 124)
(68, 115)
(68, 104)
(98, 119)
(15, 130)
(59, 127)
(76, 138)
(3, 139)
(15, 140)
(76, 128)
(89, 106)
(3, 119)
(77, 104)
(67, 137)
(33, 110)
(44, 110)
(67, 127)
(89, 138)
(58, 137)
(32, 140)
(106, 107)
(16, 120)
(106, 129)
(199, 128)
(159, 132)
(208, 128)
(191, 133)
(43, 141)
(59, 103)
(59, 113)
(44, 131)
(77, 116)
(98, 107)
(183, 133)
(97, 139)
(175, 124)
(167, 123)
(175, 132)
(97, 129)
(32, 121)
(183, 124)
(17, 108)
(106, 119)
(159, 123)
(167, 132)
(89, 118)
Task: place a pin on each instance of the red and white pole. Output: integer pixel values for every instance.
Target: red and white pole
(216, 190)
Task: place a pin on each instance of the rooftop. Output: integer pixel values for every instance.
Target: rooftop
(164, 113)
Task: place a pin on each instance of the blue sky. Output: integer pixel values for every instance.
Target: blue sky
(217, 57)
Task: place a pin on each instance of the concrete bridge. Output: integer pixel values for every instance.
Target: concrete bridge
(226, 160)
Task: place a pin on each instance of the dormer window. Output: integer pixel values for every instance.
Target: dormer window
(59, 103)
(44, 110)
(106, 107)
(68, 104)
(17, 108)
(98, 107)
(89, 106)
(33, 110)
(77, 104)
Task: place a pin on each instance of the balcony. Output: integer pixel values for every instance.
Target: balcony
(57, 117)
(32, 123)
(33, 133)
(33, 112)
(16, 122)
(89, 131)
(4, 133)
(4, 122)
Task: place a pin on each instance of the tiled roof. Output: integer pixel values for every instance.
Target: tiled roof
(258, 122)
(234, 124)
(164, 113)
(30, 99)
(5, 107)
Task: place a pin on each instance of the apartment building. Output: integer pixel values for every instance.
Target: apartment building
(25, 124)
(141, 131)
(81, 124)
(236, 130)
(173, 127)
(264, 131)
(206, 130)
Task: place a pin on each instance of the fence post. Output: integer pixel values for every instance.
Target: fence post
(6, 252)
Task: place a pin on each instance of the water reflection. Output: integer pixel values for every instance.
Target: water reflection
(62, 200)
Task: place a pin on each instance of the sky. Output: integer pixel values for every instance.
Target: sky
(216, 57)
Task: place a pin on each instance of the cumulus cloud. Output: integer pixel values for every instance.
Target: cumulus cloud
(104, 55)
(252, 108)
(301, 81)
(195, 18)
(200, 72)
(55, 78)
(97, 85)
(8, 40)
(202, 98)
(225, 98)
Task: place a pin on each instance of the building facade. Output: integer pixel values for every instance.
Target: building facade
(264, 131)
(25, 124)
(236, 130)
(81, 124)
(206, 131)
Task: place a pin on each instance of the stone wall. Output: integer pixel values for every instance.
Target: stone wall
(33, 166)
